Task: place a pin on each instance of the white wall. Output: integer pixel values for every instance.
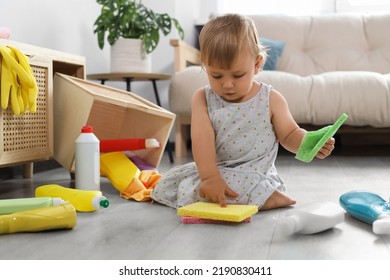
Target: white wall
(64, 25)
(67, 25)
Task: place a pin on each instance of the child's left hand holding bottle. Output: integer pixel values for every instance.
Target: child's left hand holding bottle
(216, 190)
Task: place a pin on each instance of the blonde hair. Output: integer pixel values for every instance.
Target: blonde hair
(224, 37)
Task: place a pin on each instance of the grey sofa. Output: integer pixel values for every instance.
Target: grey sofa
(328, 65)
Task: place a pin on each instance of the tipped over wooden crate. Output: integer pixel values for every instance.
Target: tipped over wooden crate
(113, 114)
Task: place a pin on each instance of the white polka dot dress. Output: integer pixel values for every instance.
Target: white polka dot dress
(246, 148)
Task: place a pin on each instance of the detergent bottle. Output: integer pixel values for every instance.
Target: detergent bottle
(311, 218)
(48, 218)
(8, 206)
(82, 200)
(87, 160)
(369, 208)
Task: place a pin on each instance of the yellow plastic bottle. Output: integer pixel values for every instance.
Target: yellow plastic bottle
(119, 169)
(48, 218)
(82, 200)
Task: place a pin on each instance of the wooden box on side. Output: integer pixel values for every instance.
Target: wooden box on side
(29, 137)
(113, 114)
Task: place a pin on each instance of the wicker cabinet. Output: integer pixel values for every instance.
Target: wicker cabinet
(29, 137)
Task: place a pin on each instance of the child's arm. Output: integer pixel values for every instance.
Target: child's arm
(287, 131)
(212, 186)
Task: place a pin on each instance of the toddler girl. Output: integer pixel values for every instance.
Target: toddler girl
(236, 126)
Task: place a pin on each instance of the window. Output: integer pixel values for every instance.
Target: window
(363, 6)
(368, 2)
(297, 7)
(303, 7)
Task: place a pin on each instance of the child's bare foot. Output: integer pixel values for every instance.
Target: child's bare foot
(277, 200)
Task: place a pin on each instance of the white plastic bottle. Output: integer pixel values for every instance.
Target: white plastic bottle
(87, 160)
(311, 218)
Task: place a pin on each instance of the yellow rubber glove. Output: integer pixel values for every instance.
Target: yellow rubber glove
(11, 58)
(9, 82)
(25, 100)
(27, 89)
(18, 73)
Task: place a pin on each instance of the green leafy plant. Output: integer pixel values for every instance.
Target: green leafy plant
(131, 19)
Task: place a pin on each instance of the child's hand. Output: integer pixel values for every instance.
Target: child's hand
(326, 149)
(215, 189)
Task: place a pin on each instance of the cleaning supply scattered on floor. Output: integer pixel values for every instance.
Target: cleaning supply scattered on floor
(119, 145)
(119, 169)
(194, 220)
(126, 177)
(311, 218)
(82, 200)
(42, 219)
(368, 207)
(314, 140)
(214, 211)
(141, 187)
(87, 160)
(9, 206)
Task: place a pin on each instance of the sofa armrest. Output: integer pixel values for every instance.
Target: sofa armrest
(185, 54)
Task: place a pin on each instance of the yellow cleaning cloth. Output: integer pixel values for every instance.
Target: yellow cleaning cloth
(125, 176)
(140, 188)
(214, 211)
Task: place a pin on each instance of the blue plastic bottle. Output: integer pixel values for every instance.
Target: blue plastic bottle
(369, 208)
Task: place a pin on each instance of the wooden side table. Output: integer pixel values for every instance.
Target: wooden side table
(130, 77)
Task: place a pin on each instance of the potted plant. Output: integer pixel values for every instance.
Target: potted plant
(130, 20)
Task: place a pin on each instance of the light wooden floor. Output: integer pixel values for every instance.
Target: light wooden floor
(144, 231)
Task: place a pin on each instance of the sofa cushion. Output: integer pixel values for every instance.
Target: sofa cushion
(331, 42)
(317, 99)
(274, 50)
(320, 99)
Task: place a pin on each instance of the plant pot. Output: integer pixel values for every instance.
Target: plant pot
(128, 55)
